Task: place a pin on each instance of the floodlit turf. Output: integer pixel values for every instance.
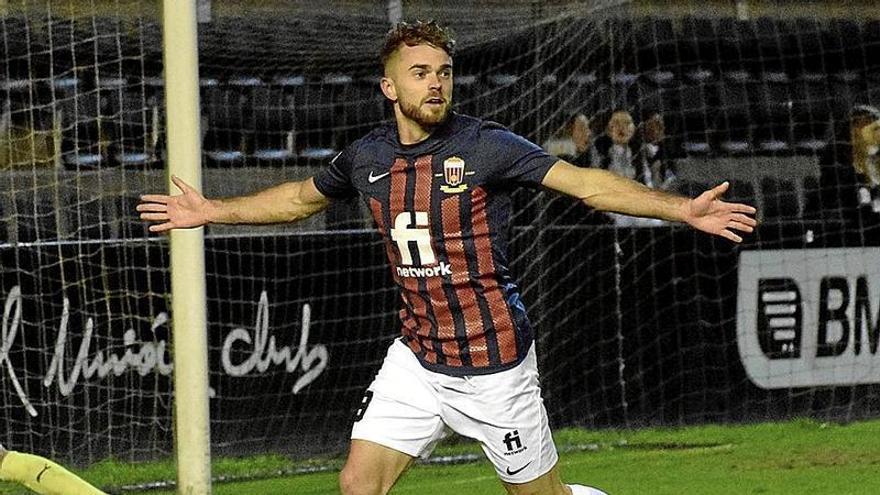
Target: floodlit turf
(774, 458)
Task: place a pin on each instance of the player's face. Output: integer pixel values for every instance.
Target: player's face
(621, 128)
(422, 83)
(655, 129)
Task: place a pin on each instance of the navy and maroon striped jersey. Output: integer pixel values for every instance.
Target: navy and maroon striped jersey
(443, 209)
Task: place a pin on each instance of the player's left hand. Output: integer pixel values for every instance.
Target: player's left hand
(707, 212)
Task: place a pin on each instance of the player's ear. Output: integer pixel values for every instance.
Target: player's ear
(388, 88)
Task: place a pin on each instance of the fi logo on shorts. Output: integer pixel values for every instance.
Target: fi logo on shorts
(513, 443)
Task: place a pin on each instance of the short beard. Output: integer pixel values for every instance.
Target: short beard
(425, 119)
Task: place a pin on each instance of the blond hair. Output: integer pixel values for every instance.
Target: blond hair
(861, 117)
(414, 34)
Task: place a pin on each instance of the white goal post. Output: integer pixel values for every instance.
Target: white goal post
(192, 439)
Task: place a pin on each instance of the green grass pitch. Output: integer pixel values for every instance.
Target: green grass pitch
(795, 457)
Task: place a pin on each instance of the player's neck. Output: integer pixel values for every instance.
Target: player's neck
(411, 132)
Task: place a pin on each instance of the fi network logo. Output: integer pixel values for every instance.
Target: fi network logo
(412, 229)
(512, 443)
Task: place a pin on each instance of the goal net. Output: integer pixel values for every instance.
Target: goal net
(637, 322)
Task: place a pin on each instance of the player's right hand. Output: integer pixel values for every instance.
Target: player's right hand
(186, 210)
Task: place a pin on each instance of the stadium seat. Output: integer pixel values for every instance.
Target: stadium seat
(696, 117)
(14, 31)
(508, 99)
(107, 34)
(871, 30)
(811, 112)
(620, 40)
(812, 198)
(810, 136)
(780, 199)
(364, 106)
(734, 122)
(28, 124)
(811, 97)
(60, 32)
(593, 56)
(237, 123)
(318, 106)
(656, 43)
(235, 57)
(623, 84)
(128, 223)
(503, 99)
(846, 90)
(131, 112)
(151, 48)
(140, 49)
(699, 75)
(772, 113)
(656, 98)
(808, 50)
(38, 55)
(583, 92)
(738, 45)
(741, 191)
(590, 47)
(4, 226)
(535, 100)
(35, 219)
(91, 219)
(225, 112)
(776, 45)
(84, 136)
(698, 44)
(28, 102)
(468, 91)
(831, 46)
(273, 128)
(871, 96)
(843, 43)
(515, 101)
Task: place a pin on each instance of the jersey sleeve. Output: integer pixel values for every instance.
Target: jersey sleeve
(334, 181)
(515, 158)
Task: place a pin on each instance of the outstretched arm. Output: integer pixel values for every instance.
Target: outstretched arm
(606, 191)
(286, 202)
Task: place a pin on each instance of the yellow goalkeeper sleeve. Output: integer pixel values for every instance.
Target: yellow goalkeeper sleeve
(43, 476)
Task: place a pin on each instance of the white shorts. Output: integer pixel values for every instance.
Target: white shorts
(409, 409)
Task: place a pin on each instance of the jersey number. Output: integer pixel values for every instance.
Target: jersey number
(412, 226)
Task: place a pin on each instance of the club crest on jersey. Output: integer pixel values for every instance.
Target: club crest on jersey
(453, 175)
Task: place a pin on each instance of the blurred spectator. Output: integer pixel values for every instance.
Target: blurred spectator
(573, 141)
(654, 152)
(850, 171)
(619, 152)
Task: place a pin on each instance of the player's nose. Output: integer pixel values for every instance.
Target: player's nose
(434, 81)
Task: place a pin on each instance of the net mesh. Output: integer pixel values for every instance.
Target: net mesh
(78, 137)
(638, 322)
